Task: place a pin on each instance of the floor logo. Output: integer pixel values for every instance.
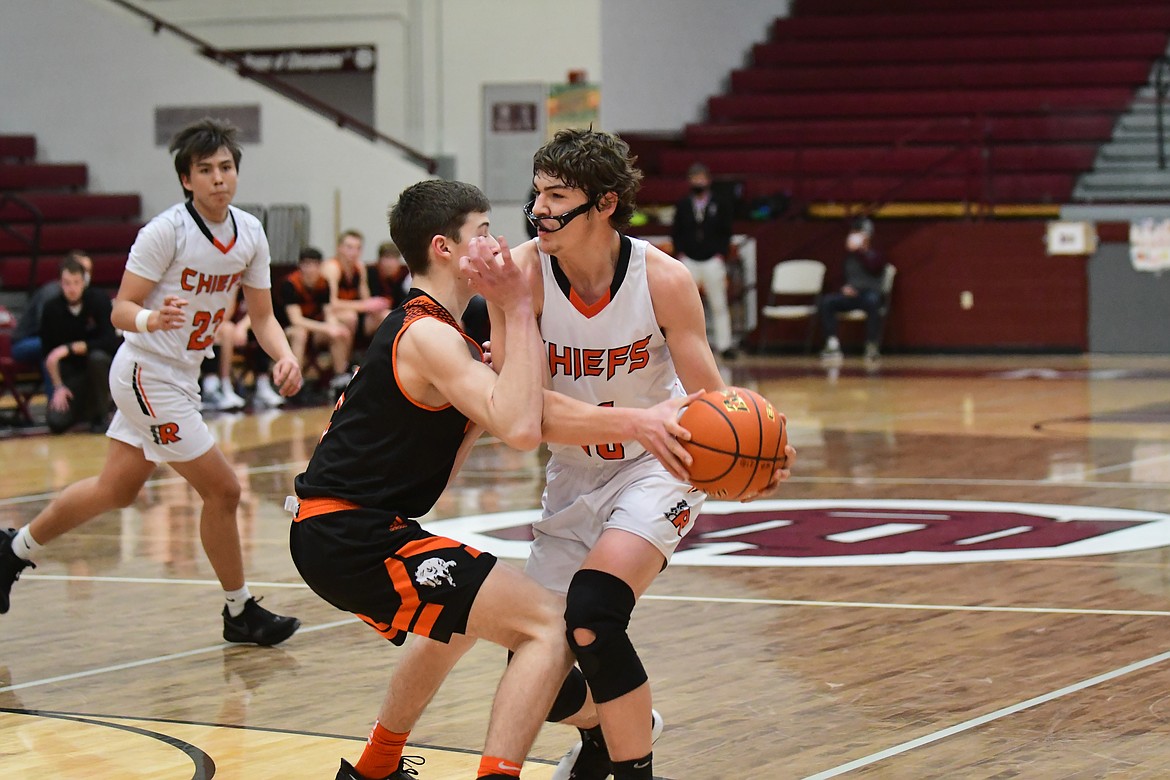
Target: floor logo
(866, 533)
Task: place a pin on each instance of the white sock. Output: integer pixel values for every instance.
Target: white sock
(211, 384)
(263, 381)
(236, 599)
(24, 545)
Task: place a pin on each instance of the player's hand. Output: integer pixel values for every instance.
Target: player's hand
(487, 355)
(489, 271)
(60, 400)
(286, 373)
(779, 475)
(170, 316)
(658, 430)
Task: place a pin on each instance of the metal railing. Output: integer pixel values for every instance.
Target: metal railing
(33, 242)
(311, 102)
(1161, 88)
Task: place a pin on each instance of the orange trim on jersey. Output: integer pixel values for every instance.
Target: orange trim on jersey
(394, 362)
(312, 507)
(142, 391)
(589, 309)
(221, 247)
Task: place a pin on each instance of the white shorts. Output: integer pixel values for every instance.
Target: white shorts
(158, 407)
(637, 496)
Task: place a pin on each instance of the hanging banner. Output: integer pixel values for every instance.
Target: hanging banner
(1149, 244)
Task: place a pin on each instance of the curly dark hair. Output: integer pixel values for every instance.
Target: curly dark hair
(596, 163)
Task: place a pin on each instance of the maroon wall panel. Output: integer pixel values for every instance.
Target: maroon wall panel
(1023, 299)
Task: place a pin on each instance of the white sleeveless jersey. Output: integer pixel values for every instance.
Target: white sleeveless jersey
(609, 354)
(206, 269)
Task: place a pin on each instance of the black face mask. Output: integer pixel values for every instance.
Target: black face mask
(698, 189)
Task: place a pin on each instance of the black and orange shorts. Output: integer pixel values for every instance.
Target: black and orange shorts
(388, 570)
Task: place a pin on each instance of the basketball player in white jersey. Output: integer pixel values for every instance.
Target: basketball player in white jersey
(181, 275)
(623, 326)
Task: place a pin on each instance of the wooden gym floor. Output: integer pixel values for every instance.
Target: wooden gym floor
(966, 577)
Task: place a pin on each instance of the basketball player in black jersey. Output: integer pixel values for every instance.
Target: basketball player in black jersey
(399, 431)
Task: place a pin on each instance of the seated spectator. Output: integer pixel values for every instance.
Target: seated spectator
(864, 271)
(388, 278)
(235, 334)
(26, 339)
(79, 342)
(307, 317)
(349, 293)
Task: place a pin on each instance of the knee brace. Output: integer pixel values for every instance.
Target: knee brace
(602, 603)
(570, 698)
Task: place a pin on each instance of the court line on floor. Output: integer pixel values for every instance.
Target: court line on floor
(658, 597)
(158, 659)
(1054, 483)
(967, 725)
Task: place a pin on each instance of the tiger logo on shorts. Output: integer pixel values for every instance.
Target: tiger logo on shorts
(679, 516)
(433, 572)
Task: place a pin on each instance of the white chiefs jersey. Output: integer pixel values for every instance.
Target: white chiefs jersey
(202, 263)
(609, 354)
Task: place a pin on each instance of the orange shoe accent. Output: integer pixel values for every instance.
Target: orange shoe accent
(383, 752)
(494, 766)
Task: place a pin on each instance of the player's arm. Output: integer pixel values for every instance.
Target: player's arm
(679, 313)
(129, 303)
(569, 421)
(527, 259)
(286, 369)
(434, 360)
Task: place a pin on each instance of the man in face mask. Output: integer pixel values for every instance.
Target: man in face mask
(702, 239)
(864, 269)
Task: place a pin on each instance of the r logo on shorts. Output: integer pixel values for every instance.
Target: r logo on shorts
(165, 433)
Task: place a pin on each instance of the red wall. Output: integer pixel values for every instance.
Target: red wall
(1023, 299)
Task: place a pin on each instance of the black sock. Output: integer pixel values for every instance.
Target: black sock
(636, 769)
(594, 736)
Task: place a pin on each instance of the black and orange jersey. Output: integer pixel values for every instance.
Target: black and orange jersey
(381, 449)
(349, 282)
(312, 300)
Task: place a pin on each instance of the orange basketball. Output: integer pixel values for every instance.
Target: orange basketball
(737, 442)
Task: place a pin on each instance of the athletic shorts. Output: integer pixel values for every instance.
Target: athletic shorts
(637, 496)
(389, 572)
(158, 407)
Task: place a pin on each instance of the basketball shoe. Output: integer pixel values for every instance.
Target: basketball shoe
(406, 770)
(266, 394)
(10, 566)
(257, 626)
(589, 758)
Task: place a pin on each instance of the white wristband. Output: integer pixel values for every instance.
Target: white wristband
(142, 320)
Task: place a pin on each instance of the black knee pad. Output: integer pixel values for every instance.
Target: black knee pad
(570, 698)
(602, 603)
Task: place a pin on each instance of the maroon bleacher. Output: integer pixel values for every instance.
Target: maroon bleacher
(973, 100)
(18, 147)
(103, 224)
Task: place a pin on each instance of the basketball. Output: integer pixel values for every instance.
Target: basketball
(737, 442)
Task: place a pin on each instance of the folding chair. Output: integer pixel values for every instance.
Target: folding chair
(795, 294)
